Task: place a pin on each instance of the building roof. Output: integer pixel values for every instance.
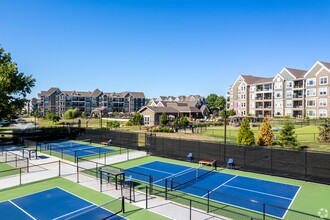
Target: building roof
(157, 109)
(297, 73)
(264, 80)
(96, 93)
(49, 92)
(327, 65)
(249, 79)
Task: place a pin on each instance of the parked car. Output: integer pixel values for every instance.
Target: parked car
(20, 120)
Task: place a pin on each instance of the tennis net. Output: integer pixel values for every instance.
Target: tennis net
(68, 144)
(101, 212)
(188, 176)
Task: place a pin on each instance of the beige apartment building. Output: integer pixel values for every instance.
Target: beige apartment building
(294, 92)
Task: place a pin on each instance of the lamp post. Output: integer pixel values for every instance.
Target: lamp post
(225, 131)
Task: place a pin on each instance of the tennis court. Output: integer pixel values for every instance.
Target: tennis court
(74, 149)
(243, 192)
(53, 204)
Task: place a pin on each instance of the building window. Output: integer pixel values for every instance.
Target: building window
(324, 80)
(278, 85)
(311, 82)
(278, 95)
(251, 96)
(243, 96)
(243, 104)
(289, 103)
(288, 111)
(311, 103)
(146, 120)
(311, 92)
(323, 91)
(252, 104)
(289, 84)
(311, 113)
(252, 88)
(289, 94)
(323, 113)
(323, 102)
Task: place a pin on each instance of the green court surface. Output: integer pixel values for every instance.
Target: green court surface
(131, 211)
(7, 170)
(312, 197)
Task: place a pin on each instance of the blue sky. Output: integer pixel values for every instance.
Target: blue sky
(161, 47)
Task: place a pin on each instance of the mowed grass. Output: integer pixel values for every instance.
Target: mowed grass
(306, 135)
(310, 198)
(132, 212)
(7, 170)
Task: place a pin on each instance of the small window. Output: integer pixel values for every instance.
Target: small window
(323, 113)
(289, 103)
(324, 80)
(323, 91)
(311, 113)
(323, 102)
(311, 92)
(289, 94)
(311, 82)
(278, 95)
(289, 84)
(311, 103)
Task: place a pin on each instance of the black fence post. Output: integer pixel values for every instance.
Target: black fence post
(27, 165)
(150, 183)
(77, 172)
(190, 205)
(146, 197)
(208, 201)
(263, 211)
(59, 168)
(123, 203)
(165, 189)
(20, 176)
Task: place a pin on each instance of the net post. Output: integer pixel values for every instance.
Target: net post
(123, 203)
(263, 211)
(146, 197)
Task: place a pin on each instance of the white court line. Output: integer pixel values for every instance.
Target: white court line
(73, 212)
(291, 202)
(147, 168)
(22, 209)
(254, 191)
(220, 185)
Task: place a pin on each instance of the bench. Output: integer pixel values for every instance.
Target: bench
(104, 143)
(206, 162)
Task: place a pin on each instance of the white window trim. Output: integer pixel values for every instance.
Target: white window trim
(310, 90)
(324, 83)
(326, 102)
(326, 91)
(288, 92)
(311, 100)
(323, 111)
(288, 82)
(314, 79)
(311, 110)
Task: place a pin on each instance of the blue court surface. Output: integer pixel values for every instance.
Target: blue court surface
(53, 204)
(75, 149)
(244, 192)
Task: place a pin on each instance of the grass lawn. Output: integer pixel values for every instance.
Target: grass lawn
(306, 135)
(310, 199)
(132, 212)
(7, 170)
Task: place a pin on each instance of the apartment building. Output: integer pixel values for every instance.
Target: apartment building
(294, 92)
(58, 101)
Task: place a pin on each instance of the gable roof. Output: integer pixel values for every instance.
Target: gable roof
(96, 93)
(297, 73)
(327, 65)
(49, 91)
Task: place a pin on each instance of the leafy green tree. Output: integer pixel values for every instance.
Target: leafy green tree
(229, 112)
(184, 122)
(163, 119)
(324, 133)
(52, 117)
(71, 113)
(245, 134)
(137, 119)
(14, 86)
(215, 102)
(287, 137)
(266, 135)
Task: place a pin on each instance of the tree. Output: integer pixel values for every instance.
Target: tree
(245, 134)
(163, 119)
(230, 112)
(71, 113)
(113, 124)
(266, 135)
(52, 117)
(215, 102)
(14, 86)
(287, 137)
(137, 119)
(184, 122)
(324, 133)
